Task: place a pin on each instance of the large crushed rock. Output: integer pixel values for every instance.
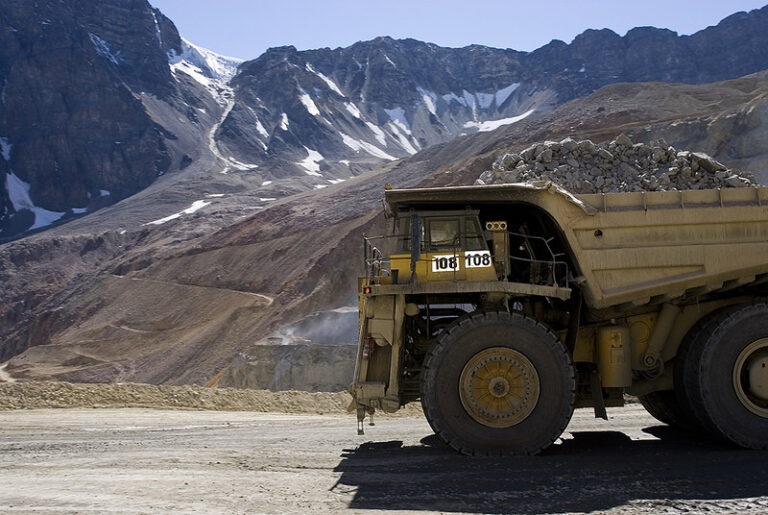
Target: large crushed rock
(615, 166)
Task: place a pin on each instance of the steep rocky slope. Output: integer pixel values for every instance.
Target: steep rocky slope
(175, 303)
(90, 111)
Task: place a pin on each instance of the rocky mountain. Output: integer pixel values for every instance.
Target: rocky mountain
(90, 110)
(327, 113)
(236, 219)
(101, 99)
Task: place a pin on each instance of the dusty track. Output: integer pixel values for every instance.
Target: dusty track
(163, 461)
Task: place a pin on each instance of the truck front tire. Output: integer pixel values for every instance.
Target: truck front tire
(498, 383)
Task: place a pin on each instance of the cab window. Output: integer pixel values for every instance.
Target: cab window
(441, 233)
(473, 235)
(444, 234)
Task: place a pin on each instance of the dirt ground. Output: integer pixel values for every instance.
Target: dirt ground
(138, 460)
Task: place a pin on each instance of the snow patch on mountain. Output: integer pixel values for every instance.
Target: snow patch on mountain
(195, 72)
(378, 133)
(503, 94)
(358, 145)
(309, 103)
(311, 163)
(239, 165)
(483, 100)
(158, 32)
(102, 48)
(230, 162)
(5, 148)
(196, 206)
(396, 129)
(284, 122)
(353, 110)
(260, 129)
(429, 98)
(325, 79)
(18, 193)
(210, 64)
(495, 124)
(208, 68)
(397, 115)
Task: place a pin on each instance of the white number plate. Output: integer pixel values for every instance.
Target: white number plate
(452, 262)
(445, 263)
(477, 259)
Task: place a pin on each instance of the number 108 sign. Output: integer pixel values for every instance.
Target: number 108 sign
(471, 259)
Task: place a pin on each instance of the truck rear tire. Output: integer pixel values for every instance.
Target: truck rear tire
(663, 406)
(673, 407)
(498, 383)
(727, 376)
(686, 371)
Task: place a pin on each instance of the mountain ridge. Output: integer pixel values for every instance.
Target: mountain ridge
(409, 105)
(290, 120)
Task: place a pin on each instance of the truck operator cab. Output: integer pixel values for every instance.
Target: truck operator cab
(441, 246)
(461, 246)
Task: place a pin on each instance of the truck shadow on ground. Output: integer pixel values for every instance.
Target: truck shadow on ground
(585, 472)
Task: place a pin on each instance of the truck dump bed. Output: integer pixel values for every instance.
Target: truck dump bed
(637, 248)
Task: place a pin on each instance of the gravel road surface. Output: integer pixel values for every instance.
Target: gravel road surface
(177, 461)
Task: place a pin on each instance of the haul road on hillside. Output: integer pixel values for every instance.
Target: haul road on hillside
(504, 307)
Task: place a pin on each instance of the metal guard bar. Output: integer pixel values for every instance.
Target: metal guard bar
(520, 289)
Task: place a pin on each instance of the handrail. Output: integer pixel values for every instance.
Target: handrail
(552, 262)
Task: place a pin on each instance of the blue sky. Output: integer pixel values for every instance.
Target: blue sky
(246, 28)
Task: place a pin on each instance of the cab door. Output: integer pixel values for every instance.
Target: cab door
(444, 249)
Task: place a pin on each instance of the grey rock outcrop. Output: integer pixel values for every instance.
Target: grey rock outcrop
(614, 166)
(78, 83)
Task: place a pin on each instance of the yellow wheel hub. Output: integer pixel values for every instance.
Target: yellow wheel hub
(499, 387)
(750, 377)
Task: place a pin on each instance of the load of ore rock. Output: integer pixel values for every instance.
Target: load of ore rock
(615, 166)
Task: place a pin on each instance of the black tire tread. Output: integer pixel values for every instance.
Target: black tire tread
(663, 406)
(709, 354)
(429, 371)
(686, 371)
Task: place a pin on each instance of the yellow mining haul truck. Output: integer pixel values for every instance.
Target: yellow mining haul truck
(504, 307)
